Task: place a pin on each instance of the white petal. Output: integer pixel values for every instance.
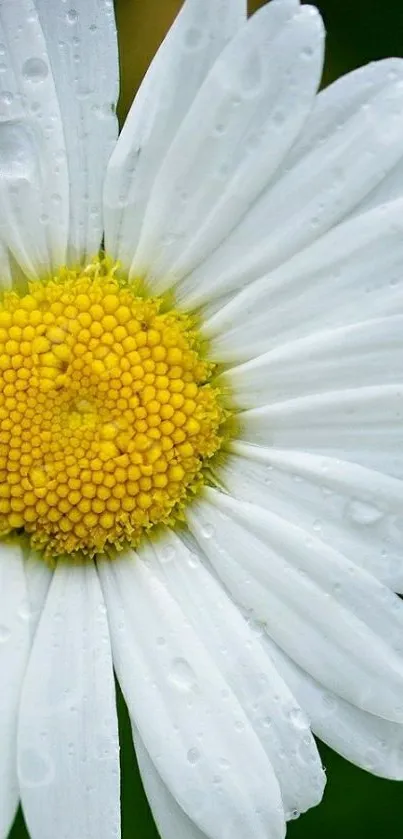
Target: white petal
(38, 577)
(352, 274)
(355, 510)
(237, 652)
(370, 742)
(198, 35)
(68, 754)
(82, 46)
(192, 726)
(170, 819)
(34, 188)
(363, 425)
(368, 353)
(14, 650)
(330, 616)
(323, 187)
(243, 121)
(335, 104)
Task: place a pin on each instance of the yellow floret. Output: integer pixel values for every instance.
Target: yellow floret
(107, 413)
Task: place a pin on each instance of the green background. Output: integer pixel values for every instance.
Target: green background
(356, 805)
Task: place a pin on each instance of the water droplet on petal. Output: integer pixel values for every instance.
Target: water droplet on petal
(6, 98)
(298, 718)
(35, 70)
(4, 633)
(193, 38)
(193, 560)
(208, 531)
(35, 768)
(361, 512)
(193, 756)
(72, 16)
(167, 554)
(181, 675)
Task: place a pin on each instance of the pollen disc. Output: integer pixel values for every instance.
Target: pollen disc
(107, 412)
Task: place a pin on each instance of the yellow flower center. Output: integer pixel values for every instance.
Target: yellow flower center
(107, 415)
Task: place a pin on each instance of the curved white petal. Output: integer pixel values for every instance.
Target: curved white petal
(335, 620)
(34, 184)
(357, 511)
(198, 35)
(14, 650)
(82, 46)
(38, 578)
(246, 116)
(370, 742)
(68, 753)
(237, 652)
(309, 198)
(192, 725)
(363, 425)
(337, 103)
(351, 274)
(334, 106)
(368, 353)
(170, 819)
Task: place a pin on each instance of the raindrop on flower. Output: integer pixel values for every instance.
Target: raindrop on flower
(35, 70)
(181, 675)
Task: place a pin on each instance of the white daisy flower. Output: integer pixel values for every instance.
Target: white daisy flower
(201, 427)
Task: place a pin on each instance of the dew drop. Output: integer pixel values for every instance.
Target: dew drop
(208, 531)
(4, 633)
(360, 512)
(307, 52)
(24, 612)
(298, 718)
(6, 98)
(182, 676)
(72, 16)
(193, 560)
(193, 756)
(220, 128)
(224, 763)
(35, 70)
(167, 554)
(193, 38)
(35, 768)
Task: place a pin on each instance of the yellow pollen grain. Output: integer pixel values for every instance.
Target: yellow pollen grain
(107, 413)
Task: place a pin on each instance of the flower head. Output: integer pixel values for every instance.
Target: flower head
(200, 419)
